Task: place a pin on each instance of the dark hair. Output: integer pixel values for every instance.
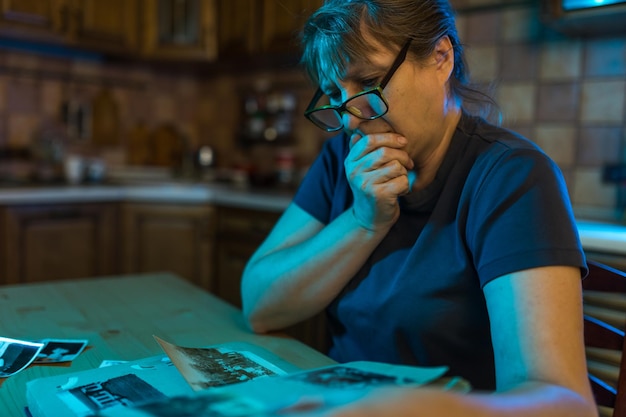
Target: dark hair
(334, 36)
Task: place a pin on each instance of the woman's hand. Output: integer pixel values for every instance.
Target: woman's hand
(377, 169)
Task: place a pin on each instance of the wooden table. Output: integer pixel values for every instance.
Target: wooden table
(119, 316)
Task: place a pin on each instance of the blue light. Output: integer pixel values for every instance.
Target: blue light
(586, 4)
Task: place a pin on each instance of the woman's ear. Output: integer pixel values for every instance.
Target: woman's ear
(444, 56)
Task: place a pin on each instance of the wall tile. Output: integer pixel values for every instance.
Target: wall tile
(605, 58)
(84, 68)
(561, 60)
(23, 96)
(603, 101)
(482, 62)
(559, 142)
(558, 102)
(164, 109)
(21, 129)
(51, 99)
(482, 28)
(599, 145)
(3, 83)
(519, 62)
(520, 24)
(589, 190)
(517, 101)
(21, 60)
(3, 134)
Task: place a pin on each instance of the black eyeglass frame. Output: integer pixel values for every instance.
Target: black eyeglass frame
(341, 109)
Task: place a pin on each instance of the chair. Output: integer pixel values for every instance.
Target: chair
(604, 295)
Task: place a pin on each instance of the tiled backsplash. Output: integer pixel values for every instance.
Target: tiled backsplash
(566, 94)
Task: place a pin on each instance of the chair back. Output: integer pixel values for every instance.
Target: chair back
(604, 295)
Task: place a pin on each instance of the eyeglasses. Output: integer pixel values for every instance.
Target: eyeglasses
(367, 105)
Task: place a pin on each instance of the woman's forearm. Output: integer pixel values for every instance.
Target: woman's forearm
(284, 286)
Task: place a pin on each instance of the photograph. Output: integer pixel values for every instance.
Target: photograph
(16, 355)
(60, 350)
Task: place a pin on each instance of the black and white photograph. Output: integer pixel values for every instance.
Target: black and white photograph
(16, 355)
(60, 350)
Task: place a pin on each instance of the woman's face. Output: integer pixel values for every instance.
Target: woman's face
(417, 95)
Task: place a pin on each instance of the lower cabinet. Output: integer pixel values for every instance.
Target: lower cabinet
(169, 237)
(57, 241)
(205, 244)
(239, 233)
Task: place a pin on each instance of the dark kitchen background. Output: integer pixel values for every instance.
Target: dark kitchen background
(149, 83)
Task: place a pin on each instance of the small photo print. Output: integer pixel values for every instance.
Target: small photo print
(343, 377)
(60, 350)
(16, 355)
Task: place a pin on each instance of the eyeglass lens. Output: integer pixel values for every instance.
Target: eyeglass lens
(368, 105)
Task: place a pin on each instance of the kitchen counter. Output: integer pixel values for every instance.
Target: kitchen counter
(218, 194)
(602, 237)
(597, 236)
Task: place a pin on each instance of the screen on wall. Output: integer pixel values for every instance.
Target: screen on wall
(586, 4)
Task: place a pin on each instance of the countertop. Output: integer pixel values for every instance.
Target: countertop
(172, 192)
(595, 235)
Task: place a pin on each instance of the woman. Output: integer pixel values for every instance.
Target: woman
(428, 235)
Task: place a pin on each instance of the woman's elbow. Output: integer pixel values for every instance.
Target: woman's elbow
(254, 322)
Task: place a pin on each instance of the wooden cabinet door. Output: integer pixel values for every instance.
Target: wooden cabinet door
(108, 26)
(64, 241)
(238, 28)
(38, 20)
(172, 238)
(180, 29)
(255, 27)
(282, 22)
(240, 232)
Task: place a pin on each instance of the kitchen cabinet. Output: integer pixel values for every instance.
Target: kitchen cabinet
(240, 232)
(57, 241)
(34, 19)
(251, 28)
(177, 238)
(105, 26)
(282, 23)
(180, 29)
(95, 25)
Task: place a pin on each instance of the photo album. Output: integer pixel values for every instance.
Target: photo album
(227, 380)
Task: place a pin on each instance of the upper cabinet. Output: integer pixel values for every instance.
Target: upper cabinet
(34, 19)
(282, 23)
(254, 28)
(108, 26)
(103, 26)
(179, 29)
(175, 30)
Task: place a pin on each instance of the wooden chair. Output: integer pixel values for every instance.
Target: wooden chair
(604, 295)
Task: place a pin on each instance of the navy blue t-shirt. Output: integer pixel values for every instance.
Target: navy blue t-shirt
(498, 205)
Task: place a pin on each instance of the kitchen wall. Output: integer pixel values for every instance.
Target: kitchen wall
(205, 109)
(566, 94)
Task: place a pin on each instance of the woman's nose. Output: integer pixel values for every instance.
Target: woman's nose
(350, 121)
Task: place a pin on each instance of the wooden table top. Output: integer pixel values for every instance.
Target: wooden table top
(119, 316)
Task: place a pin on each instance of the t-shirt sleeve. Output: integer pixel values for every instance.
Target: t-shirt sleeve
(521, 216)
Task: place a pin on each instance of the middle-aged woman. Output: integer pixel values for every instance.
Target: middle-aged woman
(428, 235)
